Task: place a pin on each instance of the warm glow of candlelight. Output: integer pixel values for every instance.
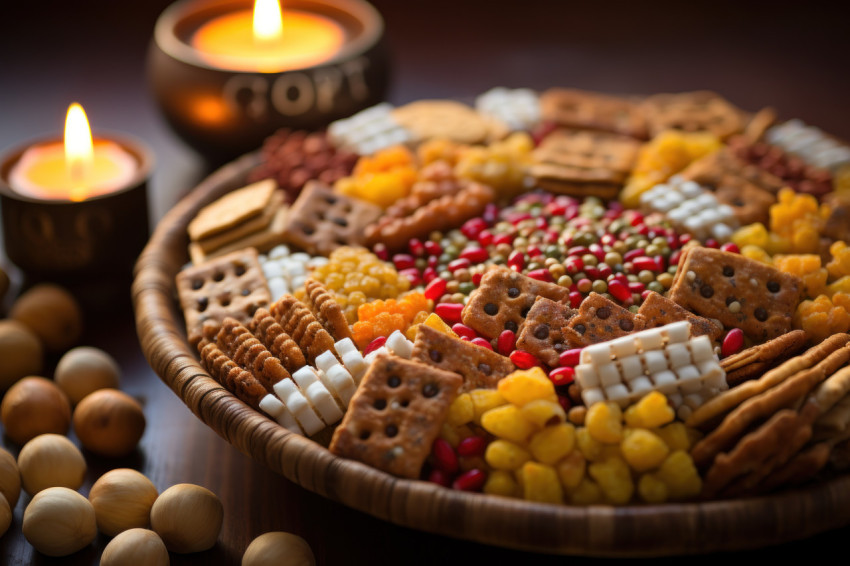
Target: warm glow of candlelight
(79, 150)
(268, 22)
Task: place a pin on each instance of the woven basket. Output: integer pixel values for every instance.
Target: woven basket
(596, 530)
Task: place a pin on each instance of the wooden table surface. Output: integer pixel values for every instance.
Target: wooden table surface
(52, 53)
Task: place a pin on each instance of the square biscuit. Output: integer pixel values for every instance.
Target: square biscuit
(540, 334)
(321, 220)
(699, 111)
(659, 311)
(231, 285)
(480, 368)
(503, 300)
(232, 209)
(599, 320)
(396, 415)
(713, 284)
(587, 110)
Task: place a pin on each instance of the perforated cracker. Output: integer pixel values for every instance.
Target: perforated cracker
(580, 162)
(699, 111)
(504, 298)
(321, 220)
(231, 285)
(581, 109)
(658, 310)
(738, 291)
(396, 415)
(599, 320)
(480, 368)
(540, 334)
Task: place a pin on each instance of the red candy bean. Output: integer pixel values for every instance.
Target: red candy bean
(570, 358)
(471, 228)
(471, 446)
(416, 247)
(473, 480)
(516, 260)
(459, 263)
(524, 360)
(632, 254)
(433, 248)
(732, 342)
(730, 247)
(564, 402)
(503, 239)
(463, 330)
(444, 456)
(482, 342)
(381, 251)
(644, 262)
(506, 342)
(449, 312)
(541, 275)
(485, 238)
(575, 299)
(428, 275)
(619, 291)
(435, 289)
(403, 261)
(476, 278)
(440, 477)
(375, 344)
(562, 375)
(475, 255)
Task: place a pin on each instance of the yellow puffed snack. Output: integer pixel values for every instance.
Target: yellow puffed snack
(540, 483)
(500, 482)
(461, 411)
(643, 450)
(483, 400)
(651, 489)
(604, 422)
(650, 412)
(507, 423)
(524, 386)
(504, 455)
(614, 478)
(553, 443)
(542, 412)
(586, 493)
(571, 469)
(680, 476)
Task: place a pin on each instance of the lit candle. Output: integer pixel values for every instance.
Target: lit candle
(268, 40)
(76, 169)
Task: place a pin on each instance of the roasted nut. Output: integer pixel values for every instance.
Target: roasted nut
(187, 517)
(122, 500)
(33, 406)
(51, 460)
(59, 521)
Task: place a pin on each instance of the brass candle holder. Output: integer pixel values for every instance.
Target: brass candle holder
(223, 112)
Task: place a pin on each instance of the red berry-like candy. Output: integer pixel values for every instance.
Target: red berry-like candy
(562, 375)
(403, 261)
(482, 342)
(440, 477)
(463, 330)
(444, 456)
(524, 360)
(449, 312)
(506, 342)
(375, 344)
(732, 342)
(473, 480)
(570, 358)
(435, 289)
(471, 446)
(475, 255)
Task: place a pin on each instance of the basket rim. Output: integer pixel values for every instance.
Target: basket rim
(598, 530)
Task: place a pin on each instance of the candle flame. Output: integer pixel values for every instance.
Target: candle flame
(79, 150)
(268, 21)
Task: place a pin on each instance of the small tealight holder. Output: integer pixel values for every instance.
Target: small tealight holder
(87, 244)
(226, 106)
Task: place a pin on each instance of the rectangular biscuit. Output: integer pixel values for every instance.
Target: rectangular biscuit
(231, 285)
(396, 415)
(572, 108)
(738, 291)
(504, 298)
(540, 334)
(659, 311)
(232, 209)
(699, 111)
(599, 320)
(480, 368)
(321, 220)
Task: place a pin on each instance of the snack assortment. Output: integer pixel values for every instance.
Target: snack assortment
(567, 297)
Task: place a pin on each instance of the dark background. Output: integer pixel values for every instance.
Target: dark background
(791, 57)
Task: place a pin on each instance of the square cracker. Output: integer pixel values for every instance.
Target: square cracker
(659, 311)
(573, 108)
(232, 209)
(710, 280)
(600, 320)
(396, 415)
(541, 332)
(480, 368)
(503, 300)
(262, 240)
(232, 285)
(699, 111)
(321, 220)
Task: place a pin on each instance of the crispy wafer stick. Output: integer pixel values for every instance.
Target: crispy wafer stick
(279, 343)
(732, 398)
(249, 353)
(784, 395)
